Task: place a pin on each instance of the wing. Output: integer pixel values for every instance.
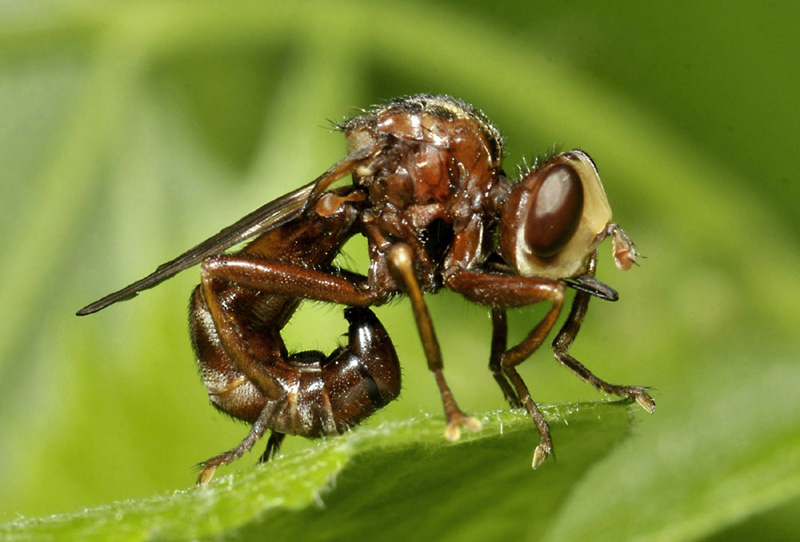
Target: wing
(271, 215)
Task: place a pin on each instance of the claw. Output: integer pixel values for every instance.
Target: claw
(540, 454)
(646, 402)
(206, 475)
(452, 431)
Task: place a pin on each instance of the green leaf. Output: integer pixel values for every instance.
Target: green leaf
(394, 479)
(715, 460)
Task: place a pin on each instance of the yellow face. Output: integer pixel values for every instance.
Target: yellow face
(555, 217)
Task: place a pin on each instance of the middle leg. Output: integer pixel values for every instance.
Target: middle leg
(499, 346)
(401, 260)
(501, 292)
(519, 353)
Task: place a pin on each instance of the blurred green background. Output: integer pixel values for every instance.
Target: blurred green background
(129, 131)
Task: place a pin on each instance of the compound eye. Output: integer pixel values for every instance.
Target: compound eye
(555, 211)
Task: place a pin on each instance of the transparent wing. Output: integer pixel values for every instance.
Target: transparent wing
(271, 215)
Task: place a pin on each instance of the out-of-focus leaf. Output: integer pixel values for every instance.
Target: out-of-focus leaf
(727, 452)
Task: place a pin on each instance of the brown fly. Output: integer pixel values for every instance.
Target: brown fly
(429, 194)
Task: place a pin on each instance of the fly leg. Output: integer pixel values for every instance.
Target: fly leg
(239, 309)
(240, 382)
(499, 345)
(273, 446)
(505, 291)
(401, 260)
(565, 338)
(209, 466)
(519, 353)
(258, 353)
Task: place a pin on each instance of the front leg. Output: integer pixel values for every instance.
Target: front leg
(505, 291)
(566, 336)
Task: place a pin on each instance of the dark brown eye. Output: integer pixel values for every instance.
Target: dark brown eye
(555, 211)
